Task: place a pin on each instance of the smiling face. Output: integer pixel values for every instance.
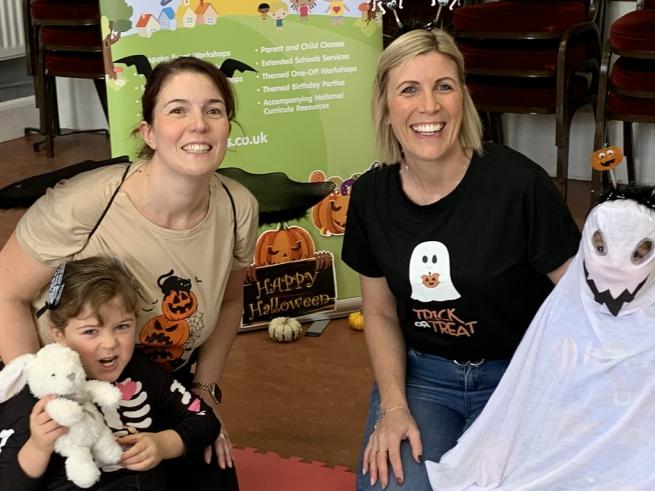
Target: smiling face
(105, 347)
(424, 105)
(190, 126)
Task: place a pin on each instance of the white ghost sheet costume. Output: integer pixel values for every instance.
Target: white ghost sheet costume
(576, 408)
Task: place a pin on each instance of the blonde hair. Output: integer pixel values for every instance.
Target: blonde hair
(404, 48)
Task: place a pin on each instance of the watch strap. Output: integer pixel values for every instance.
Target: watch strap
(213, 389)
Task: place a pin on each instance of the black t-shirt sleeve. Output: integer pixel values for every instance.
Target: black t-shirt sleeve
(179, 409)
(356, 250)
(14, 432)
(553, 236)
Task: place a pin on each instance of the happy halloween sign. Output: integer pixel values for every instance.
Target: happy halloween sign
(289, 289)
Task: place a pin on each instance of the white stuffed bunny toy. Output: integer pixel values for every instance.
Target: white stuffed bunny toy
(56, 369)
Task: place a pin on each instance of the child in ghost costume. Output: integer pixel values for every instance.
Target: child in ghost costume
(575, 407)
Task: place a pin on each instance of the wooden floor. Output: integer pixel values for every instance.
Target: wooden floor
(305, 399)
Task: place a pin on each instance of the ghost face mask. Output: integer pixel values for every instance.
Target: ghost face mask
(617, 248)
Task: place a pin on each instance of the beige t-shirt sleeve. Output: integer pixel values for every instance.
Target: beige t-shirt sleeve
(57, 226)
(247, 216)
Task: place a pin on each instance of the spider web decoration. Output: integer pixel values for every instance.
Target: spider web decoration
(196, 324)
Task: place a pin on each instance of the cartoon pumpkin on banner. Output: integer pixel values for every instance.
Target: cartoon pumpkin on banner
(329, 215)
(283, 245)
(163, 337)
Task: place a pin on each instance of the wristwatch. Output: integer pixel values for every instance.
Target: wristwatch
(213, 389)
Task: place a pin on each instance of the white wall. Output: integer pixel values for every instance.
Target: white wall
(534, 135)
(79, 105)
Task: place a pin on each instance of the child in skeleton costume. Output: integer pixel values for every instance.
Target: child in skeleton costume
(157, 415)
(574, 409)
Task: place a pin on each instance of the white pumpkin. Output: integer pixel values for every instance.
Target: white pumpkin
(284, 329)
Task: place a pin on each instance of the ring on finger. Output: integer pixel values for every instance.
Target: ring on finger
(222, 436)
(381, 451)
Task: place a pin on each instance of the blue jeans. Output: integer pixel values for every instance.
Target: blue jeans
(444, 398)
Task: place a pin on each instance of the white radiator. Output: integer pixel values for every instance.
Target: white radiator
(12, 38)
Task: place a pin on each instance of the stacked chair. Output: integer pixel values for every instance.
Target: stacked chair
(627, 83)
(531, 57)
(63, 40)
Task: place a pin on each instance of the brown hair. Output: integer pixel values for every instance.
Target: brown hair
(167, 69)
(404, 48)
(93, 282)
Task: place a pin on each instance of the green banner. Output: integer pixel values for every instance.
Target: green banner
(302, 71)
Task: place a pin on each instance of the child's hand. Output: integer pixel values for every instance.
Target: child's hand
(149, 449)
(43, 429)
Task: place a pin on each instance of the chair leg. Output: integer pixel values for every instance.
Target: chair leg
(628, 151)
(498, 126)
(563, 155)
(50, 109)
(101, 89)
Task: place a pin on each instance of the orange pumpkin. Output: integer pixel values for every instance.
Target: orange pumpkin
(606, 158)
(179, 304)
(329, 215)
(161, 331)
(283, 245)
(169, 357)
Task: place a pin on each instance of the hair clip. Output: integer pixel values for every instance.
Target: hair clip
(54, 291)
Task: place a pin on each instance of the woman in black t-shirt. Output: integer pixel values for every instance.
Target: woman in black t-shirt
(457, 245)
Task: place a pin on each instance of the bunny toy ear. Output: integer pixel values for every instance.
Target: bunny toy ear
(13, 377)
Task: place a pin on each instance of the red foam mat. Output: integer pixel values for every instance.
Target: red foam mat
(268, 471)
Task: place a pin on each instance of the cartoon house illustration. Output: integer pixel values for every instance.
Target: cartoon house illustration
(167, 19)
(206, 14)
(185, 16)
(146, 25)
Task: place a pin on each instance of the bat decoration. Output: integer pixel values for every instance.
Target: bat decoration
(280, 199)
(24, 193)
(143, 66)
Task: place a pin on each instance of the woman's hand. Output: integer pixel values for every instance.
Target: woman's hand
(43, 429)
(223, 447)
(394, 426)
(147, 450)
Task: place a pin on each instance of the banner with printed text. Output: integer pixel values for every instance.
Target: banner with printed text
(302, 71)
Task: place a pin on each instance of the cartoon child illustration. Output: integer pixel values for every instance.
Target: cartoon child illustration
(303, 7)
(263, 9)
(429, 273)
(279, 12)
(336, 10)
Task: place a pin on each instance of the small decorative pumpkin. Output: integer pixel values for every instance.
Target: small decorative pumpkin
(283, 245)
(329, 215)
(356, 320)
(606, 158)
(284, 329)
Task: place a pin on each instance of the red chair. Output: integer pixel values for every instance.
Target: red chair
(627, 87)
(64, 41)
(531, 57)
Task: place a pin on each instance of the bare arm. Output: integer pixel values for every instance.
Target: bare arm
(557, 274)
(384, 341)
(386, 348)
(213, 354)
(21, 277)
(214, 351)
